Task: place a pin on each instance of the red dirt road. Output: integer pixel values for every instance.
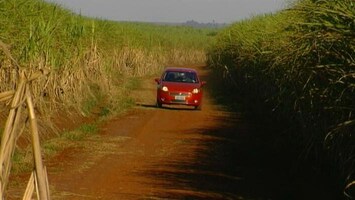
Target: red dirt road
(174, 153)
(148, 153)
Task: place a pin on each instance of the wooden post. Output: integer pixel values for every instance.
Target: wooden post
(39, 179)
(8, 139)
(6, 95)
(30, 188)
(41, 176)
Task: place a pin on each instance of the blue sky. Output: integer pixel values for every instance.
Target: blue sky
(220, 11)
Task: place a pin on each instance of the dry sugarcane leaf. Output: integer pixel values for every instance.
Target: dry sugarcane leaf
(352, 184)
(38, 74)
(7, 52)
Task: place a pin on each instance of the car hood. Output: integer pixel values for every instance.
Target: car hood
(186, 87)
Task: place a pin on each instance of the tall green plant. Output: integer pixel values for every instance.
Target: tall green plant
(302, 73)
(87, 58)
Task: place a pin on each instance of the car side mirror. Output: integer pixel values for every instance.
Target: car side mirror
(157, 80)
(203, 83)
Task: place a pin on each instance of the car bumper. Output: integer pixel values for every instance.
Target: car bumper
(179, 98)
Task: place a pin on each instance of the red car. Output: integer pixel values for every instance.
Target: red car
(179, 86)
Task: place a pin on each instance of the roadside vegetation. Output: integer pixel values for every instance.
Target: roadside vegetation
(296, 70)
(93, 64)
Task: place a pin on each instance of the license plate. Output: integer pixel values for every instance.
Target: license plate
(180, 98)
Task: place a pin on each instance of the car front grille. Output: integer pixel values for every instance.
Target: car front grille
(178, 101)
(180, 94)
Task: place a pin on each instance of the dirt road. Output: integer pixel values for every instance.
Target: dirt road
(174, 153)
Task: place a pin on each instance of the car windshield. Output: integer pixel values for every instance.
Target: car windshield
(183, 77)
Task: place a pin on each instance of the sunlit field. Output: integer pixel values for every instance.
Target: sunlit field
(90, 60)
(92, 64)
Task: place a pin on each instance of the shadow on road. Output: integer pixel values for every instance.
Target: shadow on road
(168, 107)
(236, 160)
(227, 162)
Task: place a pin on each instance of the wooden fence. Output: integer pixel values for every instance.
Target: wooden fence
(18, 100)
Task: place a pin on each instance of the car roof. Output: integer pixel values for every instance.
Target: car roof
(180, 69)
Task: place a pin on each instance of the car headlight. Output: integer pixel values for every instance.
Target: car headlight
(165, 89)
(195, 91)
